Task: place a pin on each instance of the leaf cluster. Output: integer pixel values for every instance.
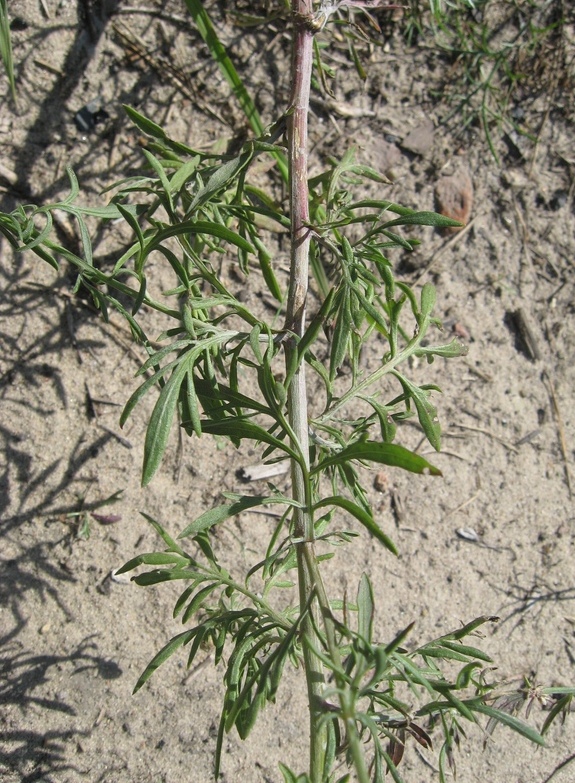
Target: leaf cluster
(193, 208)
(393, 695)
(221, 368)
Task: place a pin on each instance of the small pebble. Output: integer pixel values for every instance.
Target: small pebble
(122, 579)
(460, 331)
(467, 533)
(420, 139)
(381, 482)
(387, 156)
(454, 196)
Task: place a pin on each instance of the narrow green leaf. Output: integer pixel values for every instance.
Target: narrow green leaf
(162, 417)
(154, 558)
(238, 429)
(365, 607)
(132, 220)
(160, 575)
(387, 425)
(198, 227)
(202, 631)
(341, 334)
(357, 62)
(461, 633)
(266, 267)
(220, 513)
(183, 174)
(427, 300)
(384, 453)
(561, 705)
(461, 706)
(109, 212)
(424, 219)
(361, 515)
(472, 652)
(510, 721)
(432, 651)
(223, 176)
(560, 689)
(228, 398)
(141, 390)
(192, 407)
(162, 176)
(449, 351)
(395, 240)
(168, 650)
(6, 47)
(290, 777)
(426, 412)
(164, 535)
(255, 343)
(184, 597)
(139, 300)
(464, 676)
(147, 126)
(218, 52)
(394, 645)
(376, 315)
(384, 206)
(412, 673)
(38, 237)
(198, 600)
(155, 358)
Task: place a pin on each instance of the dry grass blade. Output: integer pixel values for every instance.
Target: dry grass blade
(561, 429)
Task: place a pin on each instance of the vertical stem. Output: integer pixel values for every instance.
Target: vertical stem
(309, 578)
(302, 58)
(300, 234)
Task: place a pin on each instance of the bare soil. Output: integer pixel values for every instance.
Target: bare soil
(494, 536)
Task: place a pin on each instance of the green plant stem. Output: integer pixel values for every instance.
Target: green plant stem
(311, 590)
(302, 58)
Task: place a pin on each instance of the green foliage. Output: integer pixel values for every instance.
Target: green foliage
(225, 369)
(502, 55)
(218, 52)
(6, 47)
(189, 209)
(196, 206)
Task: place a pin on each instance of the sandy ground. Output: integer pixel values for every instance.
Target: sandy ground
(73, 640)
